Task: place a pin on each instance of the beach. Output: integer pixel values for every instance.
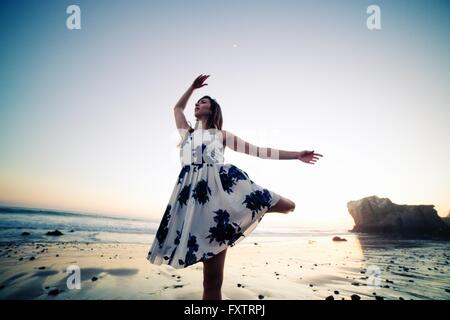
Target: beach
(260, 267)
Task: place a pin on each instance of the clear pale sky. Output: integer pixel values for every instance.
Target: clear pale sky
(86, 120)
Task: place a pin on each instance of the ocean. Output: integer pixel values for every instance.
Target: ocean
(89, 228)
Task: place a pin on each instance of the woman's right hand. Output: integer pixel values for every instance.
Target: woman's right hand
(198, 82)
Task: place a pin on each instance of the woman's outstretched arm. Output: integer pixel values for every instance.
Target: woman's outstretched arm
(178, 110)
(237, 144)
(180, 118)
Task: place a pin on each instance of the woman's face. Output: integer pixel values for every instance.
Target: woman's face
(202, 108)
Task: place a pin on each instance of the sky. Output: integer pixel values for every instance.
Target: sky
(86, 120)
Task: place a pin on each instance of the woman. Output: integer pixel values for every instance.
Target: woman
(213, 205)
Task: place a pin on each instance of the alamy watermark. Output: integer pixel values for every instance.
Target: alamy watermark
(373, 276)
(74, 278)
(207, 147)
(373, 22)
(73, 21)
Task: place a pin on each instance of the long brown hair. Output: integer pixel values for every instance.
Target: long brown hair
(214, 121)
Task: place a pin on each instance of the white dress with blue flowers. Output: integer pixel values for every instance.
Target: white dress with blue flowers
(213, 205)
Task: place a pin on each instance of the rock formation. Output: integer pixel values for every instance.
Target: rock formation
(381, 216)
(447, 219)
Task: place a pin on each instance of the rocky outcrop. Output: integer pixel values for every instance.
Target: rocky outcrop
(381, 216)
(54, 233)
(447, 219)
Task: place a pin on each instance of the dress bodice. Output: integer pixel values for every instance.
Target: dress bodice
(202, 146)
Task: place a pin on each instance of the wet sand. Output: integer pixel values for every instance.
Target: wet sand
(257, 268)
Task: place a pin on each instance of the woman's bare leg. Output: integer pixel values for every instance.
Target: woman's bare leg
(213, 276)
(284, 205)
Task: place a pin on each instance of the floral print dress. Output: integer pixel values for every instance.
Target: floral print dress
(213, 205)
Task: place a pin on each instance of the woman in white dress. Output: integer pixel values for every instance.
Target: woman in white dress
(214, 205)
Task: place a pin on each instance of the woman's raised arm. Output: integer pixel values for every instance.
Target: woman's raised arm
(180, 118)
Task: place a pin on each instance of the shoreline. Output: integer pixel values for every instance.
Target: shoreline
(304, 268)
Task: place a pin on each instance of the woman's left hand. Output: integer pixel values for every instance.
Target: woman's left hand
(308, 156)
(198, 82)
